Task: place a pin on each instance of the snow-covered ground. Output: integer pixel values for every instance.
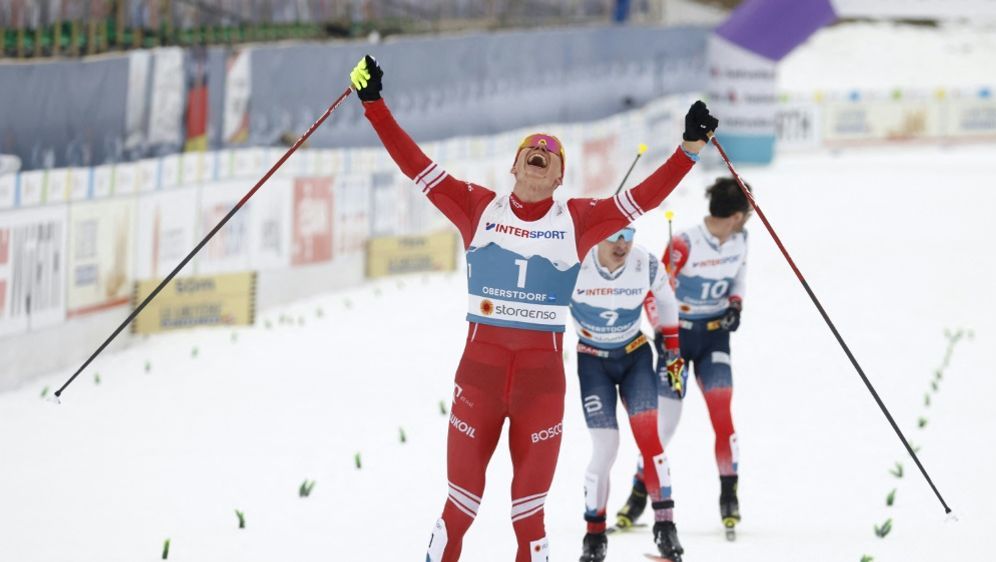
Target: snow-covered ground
(884, 56)
(895, 241)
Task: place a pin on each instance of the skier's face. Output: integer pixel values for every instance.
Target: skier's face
(612, 252)
(539, 163)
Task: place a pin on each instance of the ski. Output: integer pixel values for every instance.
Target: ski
(731, 528)
(616, 529)
(659, 558)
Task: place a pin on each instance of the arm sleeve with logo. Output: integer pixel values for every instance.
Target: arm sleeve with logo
(595, 219)
(662, 306)
(463, 203)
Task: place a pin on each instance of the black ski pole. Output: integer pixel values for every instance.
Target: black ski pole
(669, 265)
(639, 152)
(206, 239)
(830, 324)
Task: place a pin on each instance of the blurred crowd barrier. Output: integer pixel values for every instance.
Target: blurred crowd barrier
(854, 118)
(160, 101)
(77, 243)
(44, 28)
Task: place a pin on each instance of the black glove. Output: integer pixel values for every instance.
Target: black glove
(698, 123)
(366, 78)
(731, 320)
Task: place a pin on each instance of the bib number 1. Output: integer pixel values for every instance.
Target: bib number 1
(522, 265)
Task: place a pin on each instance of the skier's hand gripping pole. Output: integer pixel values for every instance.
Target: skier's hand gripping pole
(207, 238)
(826, 318)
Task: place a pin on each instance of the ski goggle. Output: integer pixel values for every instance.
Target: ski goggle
(549, 143)
(626, 234)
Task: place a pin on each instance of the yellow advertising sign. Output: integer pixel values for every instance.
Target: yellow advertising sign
(191, 302)
(391, 255)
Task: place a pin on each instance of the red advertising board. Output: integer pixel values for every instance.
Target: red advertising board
(312, 240)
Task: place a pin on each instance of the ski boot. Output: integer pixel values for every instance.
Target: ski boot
(634, 507)
(594, 547)
(666, 539)
(729, 505)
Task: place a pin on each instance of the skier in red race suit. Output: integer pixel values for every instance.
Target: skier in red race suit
(524, 252)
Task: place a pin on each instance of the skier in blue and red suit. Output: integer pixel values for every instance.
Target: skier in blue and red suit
(523, 256)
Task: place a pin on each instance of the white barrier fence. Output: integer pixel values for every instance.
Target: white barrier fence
(808, 121)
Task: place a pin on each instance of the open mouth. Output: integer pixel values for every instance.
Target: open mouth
(538, 160)
(619, 253)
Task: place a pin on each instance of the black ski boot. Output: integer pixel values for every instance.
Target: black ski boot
(594, 547)
(666, 539)
(634, 507)
(729, 505)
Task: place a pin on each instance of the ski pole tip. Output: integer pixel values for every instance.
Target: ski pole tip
(641, 149)
(54, 399)
(669, 215)
(951, 518)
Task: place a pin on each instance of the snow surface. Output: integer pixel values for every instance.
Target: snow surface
(897, 243)
(884, 56)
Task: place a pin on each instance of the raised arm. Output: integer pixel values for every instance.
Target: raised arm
(461, 202)
(595, 219)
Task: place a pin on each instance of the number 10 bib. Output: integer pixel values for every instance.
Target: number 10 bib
(520, 274)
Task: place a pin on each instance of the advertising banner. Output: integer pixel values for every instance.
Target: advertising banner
(192, 302)
(68, 184)
(99, 255)
(8, 190)
(313, 220)
(881, 119)
(971, 117)
(398, 206)
(270, 224)
(392, 255)
(599, 161)
(32, 269)
(229, 250)
(798, 125)
(168, 91)
(33, 187)
(351, 194)
(237, 91)
(164, 231)
(386, 204)
(742, 90)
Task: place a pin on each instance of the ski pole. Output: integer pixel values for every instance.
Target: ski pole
(639, 152)
(207, 238)
(830, 324)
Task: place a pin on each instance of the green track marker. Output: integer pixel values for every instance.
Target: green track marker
(883, 530)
